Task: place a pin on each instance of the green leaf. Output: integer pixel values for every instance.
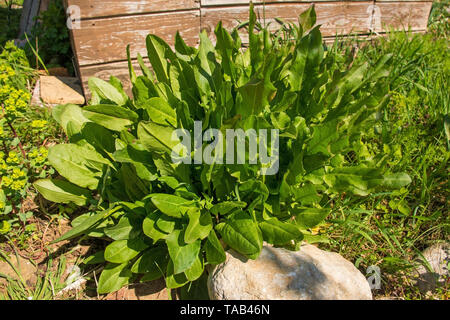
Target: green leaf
(310, 217)
(196, 270)
(241, 233)
(110, 116)
(106, 91)
(214, 250)
(156, 137)
(70, 117)
(279, 233)
(80, 165)
(160, 111)
(86, 225)
(199, 227)
(225, 207)
(96, 258)
(307, 19)
(121, 251)
(171, 205)
(173, 280)
(152, 263)
(150, 229)
(159, 53)
(182, 254)
(113, 278)
(126, 228)
(60, 191)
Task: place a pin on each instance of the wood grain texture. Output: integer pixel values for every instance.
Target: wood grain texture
(336, 18)
(117, 69)
(106, 8)
(105, 40)
(206, 3)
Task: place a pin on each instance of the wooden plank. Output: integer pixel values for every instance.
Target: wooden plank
(207, 3)
(336, 18)
(95, 9)
(104, 71)
(401, 15)
(105, 40)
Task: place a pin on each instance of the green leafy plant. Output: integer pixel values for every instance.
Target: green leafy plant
(52, 36)
(171, 220)
(23, 131)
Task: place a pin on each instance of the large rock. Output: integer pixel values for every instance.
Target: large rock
(438, 257)
(279, 274)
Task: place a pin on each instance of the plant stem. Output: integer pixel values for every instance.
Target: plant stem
(16, 136)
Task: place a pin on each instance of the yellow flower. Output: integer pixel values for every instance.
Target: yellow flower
(6, 181)
(17, 174)
(18, 185)
(38, 124)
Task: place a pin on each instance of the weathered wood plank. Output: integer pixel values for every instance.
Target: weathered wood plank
(336, 18)
(106, 8)
(105, 40)
(206, 3)
(104, 71)
(401, 15)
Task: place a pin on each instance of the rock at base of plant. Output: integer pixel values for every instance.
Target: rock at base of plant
(60, 90)
(279, 274)
(438, 258)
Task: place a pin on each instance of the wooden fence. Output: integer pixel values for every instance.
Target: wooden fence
(107, 27)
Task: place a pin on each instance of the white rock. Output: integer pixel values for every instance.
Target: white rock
(279, 274)
(438, 257)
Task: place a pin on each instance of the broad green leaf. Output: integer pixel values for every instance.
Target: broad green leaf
(70, 117)
(174, 280)
(199, 227)
(223, 208)
(242, 234)
(87, 224)
(182, 254)
(96, 258)
(80, 165)
(150, 229)
(159, 53)
(310, 217)
(214, 250)
(171, 205)
(160, 111)
(153, 263)
(126, 228)
(113, 278)
(121, 251)
(60, 191)
(196, 270)
(106, 91)
(156, 137)
(279, 233)
(110, 116)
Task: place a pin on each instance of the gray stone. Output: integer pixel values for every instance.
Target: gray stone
(279, 274)
(438, 258)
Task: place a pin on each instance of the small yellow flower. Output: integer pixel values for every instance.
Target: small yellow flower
(38, 124)
(6, 181)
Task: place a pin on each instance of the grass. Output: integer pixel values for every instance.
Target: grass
(390, 229)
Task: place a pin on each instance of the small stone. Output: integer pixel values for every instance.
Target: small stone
(60, 90)
(279, 274)
(438, 256)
